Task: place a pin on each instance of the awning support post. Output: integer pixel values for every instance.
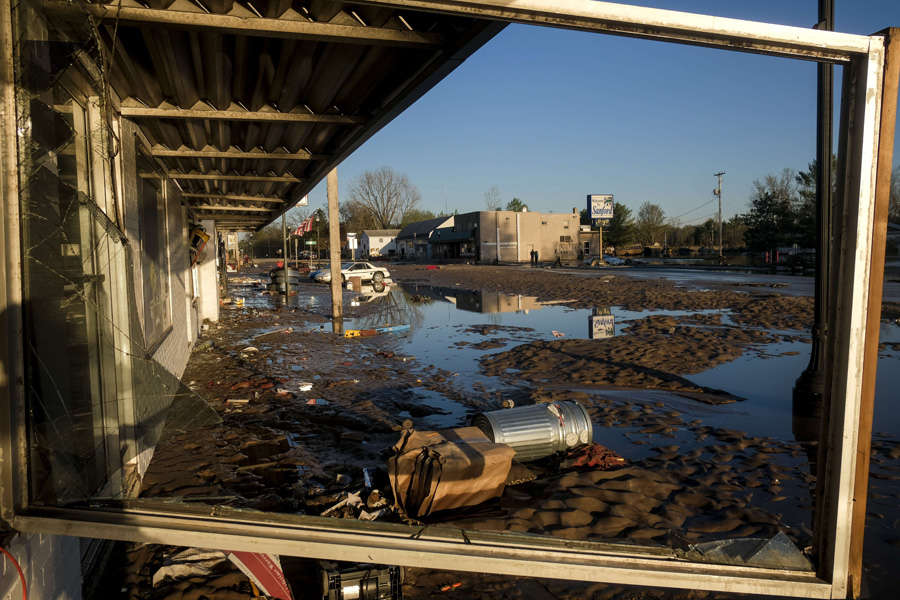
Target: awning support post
(334, 253)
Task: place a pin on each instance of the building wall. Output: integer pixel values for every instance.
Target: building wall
(517, 233)
(377, 245)
(51, 564)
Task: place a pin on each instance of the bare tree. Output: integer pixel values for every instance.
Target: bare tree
(386, 195)
(492, 198)
(650, 223)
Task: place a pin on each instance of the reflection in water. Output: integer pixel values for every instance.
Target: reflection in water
(482, 301)
(601, 323)
(388, 305)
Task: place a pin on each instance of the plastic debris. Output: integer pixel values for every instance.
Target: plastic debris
(368, 477)
(305, 386)
(371, 516)
(352, 500)
(189, 563)
(237, 401)
(317, 401)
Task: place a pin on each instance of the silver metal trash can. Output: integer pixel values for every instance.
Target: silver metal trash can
(539, 430)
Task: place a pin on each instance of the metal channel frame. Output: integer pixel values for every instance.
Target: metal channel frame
(507, 553)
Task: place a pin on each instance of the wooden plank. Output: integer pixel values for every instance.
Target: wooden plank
(654, 24)
(850, 273)
(297, 27)
(235, 114)
(873, 322)
(334, 251)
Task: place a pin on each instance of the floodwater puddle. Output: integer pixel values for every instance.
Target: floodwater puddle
(452, 329)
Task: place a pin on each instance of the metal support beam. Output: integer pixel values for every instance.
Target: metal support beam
(235, 197)
(213, 176)
(655, 24)
(291, 25)
(235, 113)
(211, 152)
(213, 207)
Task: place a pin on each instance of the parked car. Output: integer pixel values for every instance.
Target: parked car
(367, 271)
(613, 260)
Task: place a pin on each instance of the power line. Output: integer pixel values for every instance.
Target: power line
(699, 220)
(693, 209)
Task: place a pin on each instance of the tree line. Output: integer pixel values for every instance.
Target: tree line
(782, 212)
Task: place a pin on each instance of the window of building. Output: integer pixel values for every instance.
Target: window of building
(154, 257)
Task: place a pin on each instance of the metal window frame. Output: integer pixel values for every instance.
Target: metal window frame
(862, 162)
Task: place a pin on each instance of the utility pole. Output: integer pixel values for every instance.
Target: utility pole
(718, 193)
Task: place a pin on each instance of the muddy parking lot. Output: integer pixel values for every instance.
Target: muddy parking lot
(690, 386)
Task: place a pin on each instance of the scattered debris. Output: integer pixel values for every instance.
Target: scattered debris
(352, 500)
(376, 331)
(594, 456)
(193, 562)
(305, 386)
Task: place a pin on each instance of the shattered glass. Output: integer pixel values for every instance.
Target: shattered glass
(97, 400)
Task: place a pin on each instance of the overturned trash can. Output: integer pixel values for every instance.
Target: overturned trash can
(539, 430)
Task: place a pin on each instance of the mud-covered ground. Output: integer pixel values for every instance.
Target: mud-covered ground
(280, 448)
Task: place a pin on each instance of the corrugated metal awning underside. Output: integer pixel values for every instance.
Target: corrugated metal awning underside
(248, 104)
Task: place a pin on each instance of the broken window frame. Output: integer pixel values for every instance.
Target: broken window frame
(858, 261)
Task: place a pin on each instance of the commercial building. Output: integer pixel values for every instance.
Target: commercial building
(508, 236)
(414, 240)
(378, 242)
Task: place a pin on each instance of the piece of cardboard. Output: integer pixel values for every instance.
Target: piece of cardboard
(440, 470)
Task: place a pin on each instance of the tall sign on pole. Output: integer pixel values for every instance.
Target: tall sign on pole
(600, 209)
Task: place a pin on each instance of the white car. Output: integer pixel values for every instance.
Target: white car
(367, 271)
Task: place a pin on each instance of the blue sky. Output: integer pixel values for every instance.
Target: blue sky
(549, 115)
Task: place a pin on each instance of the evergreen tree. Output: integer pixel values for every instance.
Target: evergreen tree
(772, 220)
(516, 205)
(620, 230)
